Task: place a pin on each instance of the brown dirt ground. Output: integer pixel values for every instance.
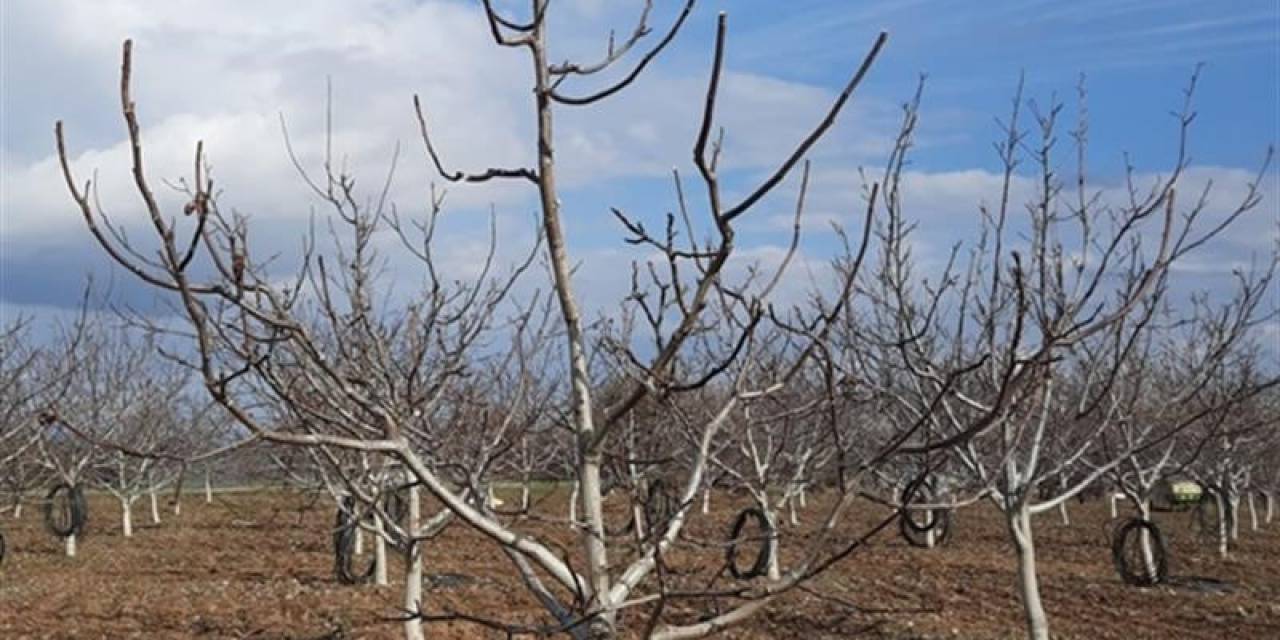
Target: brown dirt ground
(258, 565)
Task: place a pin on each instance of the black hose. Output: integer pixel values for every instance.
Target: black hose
(1136, 570)
(761, 564)
(917, 535)
(908, 493)
(65, 510)
(344, 545)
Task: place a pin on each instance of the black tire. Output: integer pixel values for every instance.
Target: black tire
(65, 510)
(761, 564)
(916, 535)
(344, 546)
(1128, 558)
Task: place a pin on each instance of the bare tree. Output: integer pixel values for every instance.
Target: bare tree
(1013, 355)
(358, 375)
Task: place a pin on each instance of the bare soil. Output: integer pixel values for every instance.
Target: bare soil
(260, 565)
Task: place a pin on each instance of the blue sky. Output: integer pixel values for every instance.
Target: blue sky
(225, 71)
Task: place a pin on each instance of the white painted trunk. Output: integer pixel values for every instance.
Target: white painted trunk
(637, 521)
(70, 543)
(1114, 498)
(126, 518)
(573, 506)
(1148, 554)
(1253, 513)
(1233, 517)
(931, 536)
(524, 495)
(359, 544)
(208, 488)
(1223, 533)
(17, 510)
(155, 507)
(379, 555)
(775, 567)
(1066, 517)
(706, 500)
(1271, 504)
(177, 507)
(1028, 579)
(413, 569)
(791, 512)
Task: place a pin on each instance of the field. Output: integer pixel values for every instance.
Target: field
(258, 565)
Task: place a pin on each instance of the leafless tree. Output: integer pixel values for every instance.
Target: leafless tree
(320, 361)
(1013, 355)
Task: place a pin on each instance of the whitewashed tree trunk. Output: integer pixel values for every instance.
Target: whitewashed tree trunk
(155, 507)
(931, 536)
(775, 567)
(1114, 498)
(70, 544)
(1148, 554)
(177, 507)
(1271, 505)
(524, 494)
(791, 513)
(413, 569)
(208, 488)
(1233, 516)
(637, 519)
(359, 542)
(1223, 534)
(379, 554)
(706, 499)
(1253, 513)
(1066, 517)
(17, 509)
(1028, 580)
(126, 517)
(804, 500)
(573, 506)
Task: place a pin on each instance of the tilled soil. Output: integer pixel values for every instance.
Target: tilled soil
(260, 565)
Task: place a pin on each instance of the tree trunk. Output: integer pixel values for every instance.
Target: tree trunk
(359, 542)
(524, 494)
(155, 507)
(1148, 554)
(1028, 580)
(71, 546)
(804, 501)
(931, 536)
(379, 554)
(17, 508)
(1253, 513)
(1223, 536)
(1066, 517)
(208, 488)
(706, 500)
(573, 506)
(1114, 497)
(1233, 515)
(1271, 504)
(413, 569)
(126, 517)
(177, 507)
